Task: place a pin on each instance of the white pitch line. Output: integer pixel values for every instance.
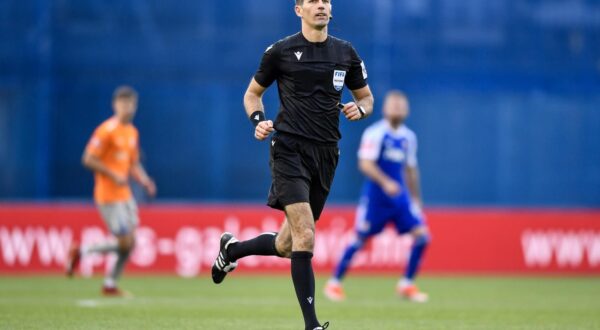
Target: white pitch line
(93, 303)
(89, 303)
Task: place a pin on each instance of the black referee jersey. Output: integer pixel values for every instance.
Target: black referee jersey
(310, 78)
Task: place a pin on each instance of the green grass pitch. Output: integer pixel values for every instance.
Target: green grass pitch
(269, 303)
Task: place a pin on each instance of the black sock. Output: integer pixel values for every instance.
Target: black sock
(261, 245)
(304, 283)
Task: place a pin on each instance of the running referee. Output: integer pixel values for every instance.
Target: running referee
(311, 69)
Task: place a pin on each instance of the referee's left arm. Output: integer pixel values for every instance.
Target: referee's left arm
(356, 81)
(363, 101)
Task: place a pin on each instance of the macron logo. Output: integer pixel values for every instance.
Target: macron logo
(257, 117)
(298, 55)
(310, 300)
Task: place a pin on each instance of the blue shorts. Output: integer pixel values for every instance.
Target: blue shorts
(371, 219)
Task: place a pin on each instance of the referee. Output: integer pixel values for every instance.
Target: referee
(311, 69)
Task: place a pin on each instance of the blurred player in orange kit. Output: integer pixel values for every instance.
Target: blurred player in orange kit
(113, 155)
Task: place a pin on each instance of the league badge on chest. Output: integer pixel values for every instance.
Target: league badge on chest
(339, 77)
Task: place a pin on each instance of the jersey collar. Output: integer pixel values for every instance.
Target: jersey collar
(318, 44)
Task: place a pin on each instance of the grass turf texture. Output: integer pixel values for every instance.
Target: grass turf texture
(269, 303)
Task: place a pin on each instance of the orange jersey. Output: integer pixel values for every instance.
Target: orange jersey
(116, 145)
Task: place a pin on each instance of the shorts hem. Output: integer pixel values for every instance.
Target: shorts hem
(280, 205)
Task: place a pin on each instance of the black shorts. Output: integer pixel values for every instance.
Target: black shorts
(302, 171)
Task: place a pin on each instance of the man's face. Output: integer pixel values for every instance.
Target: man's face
(125, 108)
(395, 109)
(315, 13)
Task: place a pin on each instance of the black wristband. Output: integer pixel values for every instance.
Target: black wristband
(257, 116)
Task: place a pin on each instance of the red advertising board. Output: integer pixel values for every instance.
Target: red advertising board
(183, 240)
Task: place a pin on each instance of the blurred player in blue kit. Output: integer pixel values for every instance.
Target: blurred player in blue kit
(391, 193)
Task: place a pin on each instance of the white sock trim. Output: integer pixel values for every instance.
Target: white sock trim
(334, 281)
(404, 282)
(109, 282)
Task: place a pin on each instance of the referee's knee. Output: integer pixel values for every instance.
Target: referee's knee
(304, 240)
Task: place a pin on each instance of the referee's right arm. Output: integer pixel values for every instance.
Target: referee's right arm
(255, 110)
(264, 77)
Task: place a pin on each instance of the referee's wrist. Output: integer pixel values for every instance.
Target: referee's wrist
(257, 116)
(362, 111)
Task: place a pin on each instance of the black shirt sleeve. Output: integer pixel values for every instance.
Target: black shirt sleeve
(357, 76)
(267, 72)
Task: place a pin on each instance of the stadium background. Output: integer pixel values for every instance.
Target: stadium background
(504, 93)
(505, 98)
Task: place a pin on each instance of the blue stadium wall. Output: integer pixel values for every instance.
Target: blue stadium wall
(505, 94)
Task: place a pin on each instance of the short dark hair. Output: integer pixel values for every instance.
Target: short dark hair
(299, 2)
(125, 92)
